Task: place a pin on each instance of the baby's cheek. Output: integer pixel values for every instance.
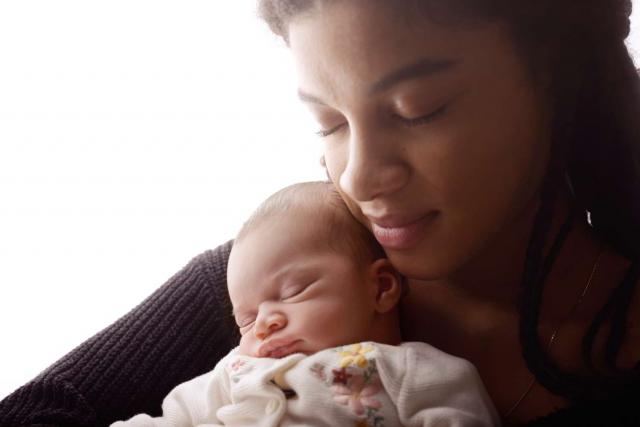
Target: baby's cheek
(245, 345)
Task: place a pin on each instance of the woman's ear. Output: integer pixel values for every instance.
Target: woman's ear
(387, 285)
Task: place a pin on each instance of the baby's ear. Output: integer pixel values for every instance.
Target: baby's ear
(388, 285)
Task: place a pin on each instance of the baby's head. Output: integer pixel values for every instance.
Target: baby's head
(304, 276)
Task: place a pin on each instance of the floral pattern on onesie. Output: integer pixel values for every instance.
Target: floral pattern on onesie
(239, 368)
(361, 385)
(353, 380)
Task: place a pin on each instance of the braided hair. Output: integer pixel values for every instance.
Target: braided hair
(595, 99)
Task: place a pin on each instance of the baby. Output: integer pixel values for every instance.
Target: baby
(316, 302)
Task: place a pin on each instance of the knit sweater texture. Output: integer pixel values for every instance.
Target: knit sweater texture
(176, 334)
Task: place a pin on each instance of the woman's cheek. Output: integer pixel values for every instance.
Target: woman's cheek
(336, 162)
(329, 161)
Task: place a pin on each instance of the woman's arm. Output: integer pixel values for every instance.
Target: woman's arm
(177, 333)
(192, 403)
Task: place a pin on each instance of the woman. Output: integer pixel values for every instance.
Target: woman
(492, 148)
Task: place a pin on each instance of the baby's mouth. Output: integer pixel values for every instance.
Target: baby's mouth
(278, 348)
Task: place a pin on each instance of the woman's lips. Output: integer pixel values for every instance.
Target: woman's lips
(397, 234)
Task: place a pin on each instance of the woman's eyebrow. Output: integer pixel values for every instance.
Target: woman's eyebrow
(422, 68)
(305, 97)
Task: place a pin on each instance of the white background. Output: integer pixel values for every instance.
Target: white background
(133, 135)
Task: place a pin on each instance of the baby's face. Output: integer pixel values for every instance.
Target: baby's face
(291, 293)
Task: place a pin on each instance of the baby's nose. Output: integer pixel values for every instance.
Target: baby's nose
(269, 324)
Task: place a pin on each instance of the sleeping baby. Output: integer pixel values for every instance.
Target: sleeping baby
(316, 303)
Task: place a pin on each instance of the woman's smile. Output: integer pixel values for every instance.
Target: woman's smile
(395, 169)
(399, 233)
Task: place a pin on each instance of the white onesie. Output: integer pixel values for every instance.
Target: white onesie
(365, 384)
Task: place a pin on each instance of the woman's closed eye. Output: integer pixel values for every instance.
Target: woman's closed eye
(424, 119)
(407, 121)
(323, 133)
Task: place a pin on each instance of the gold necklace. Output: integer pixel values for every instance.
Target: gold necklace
(555, 333)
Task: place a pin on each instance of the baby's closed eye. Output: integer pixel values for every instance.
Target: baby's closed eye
(295, 290)
(245, 323)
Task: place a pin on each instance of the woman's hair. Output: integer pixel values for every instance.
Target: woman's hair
(595, 101)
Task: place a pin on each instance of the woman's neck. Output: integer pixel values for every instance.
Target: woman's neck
(495, 274)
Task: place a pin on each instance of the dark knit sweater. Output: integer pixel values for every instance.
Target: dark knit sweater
(178, 333)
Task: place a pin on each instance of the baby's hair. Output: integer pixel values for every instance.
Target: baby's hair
(322, 203)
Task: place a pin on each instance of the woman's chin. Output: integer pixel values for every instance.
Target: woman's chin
(422, 263)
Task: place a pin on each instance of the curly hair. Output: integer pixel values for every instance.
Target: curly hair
(595, 100)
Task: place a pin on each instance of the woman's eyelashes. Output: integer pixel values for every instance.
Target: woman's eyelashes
(322, 133)
(425, 119)
(407, 121)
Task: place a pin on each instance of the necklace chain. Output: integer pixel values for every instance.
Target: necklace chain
(555, 333)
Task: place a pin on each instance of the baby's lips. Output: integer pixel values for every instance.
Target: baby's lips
(277, 347)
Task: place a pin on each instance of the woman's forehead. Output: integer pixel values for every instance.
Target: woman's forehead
(336, 49)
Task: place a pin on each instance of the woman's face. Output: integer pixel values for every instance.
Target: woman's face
(436, 135)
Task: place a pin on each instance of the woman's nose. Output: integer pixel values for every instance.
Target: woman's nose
(268, 324)
(374, 168)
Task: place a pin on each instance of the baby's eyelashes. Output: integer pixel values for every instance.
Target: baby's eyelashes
(293, 291)
(245, 323)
